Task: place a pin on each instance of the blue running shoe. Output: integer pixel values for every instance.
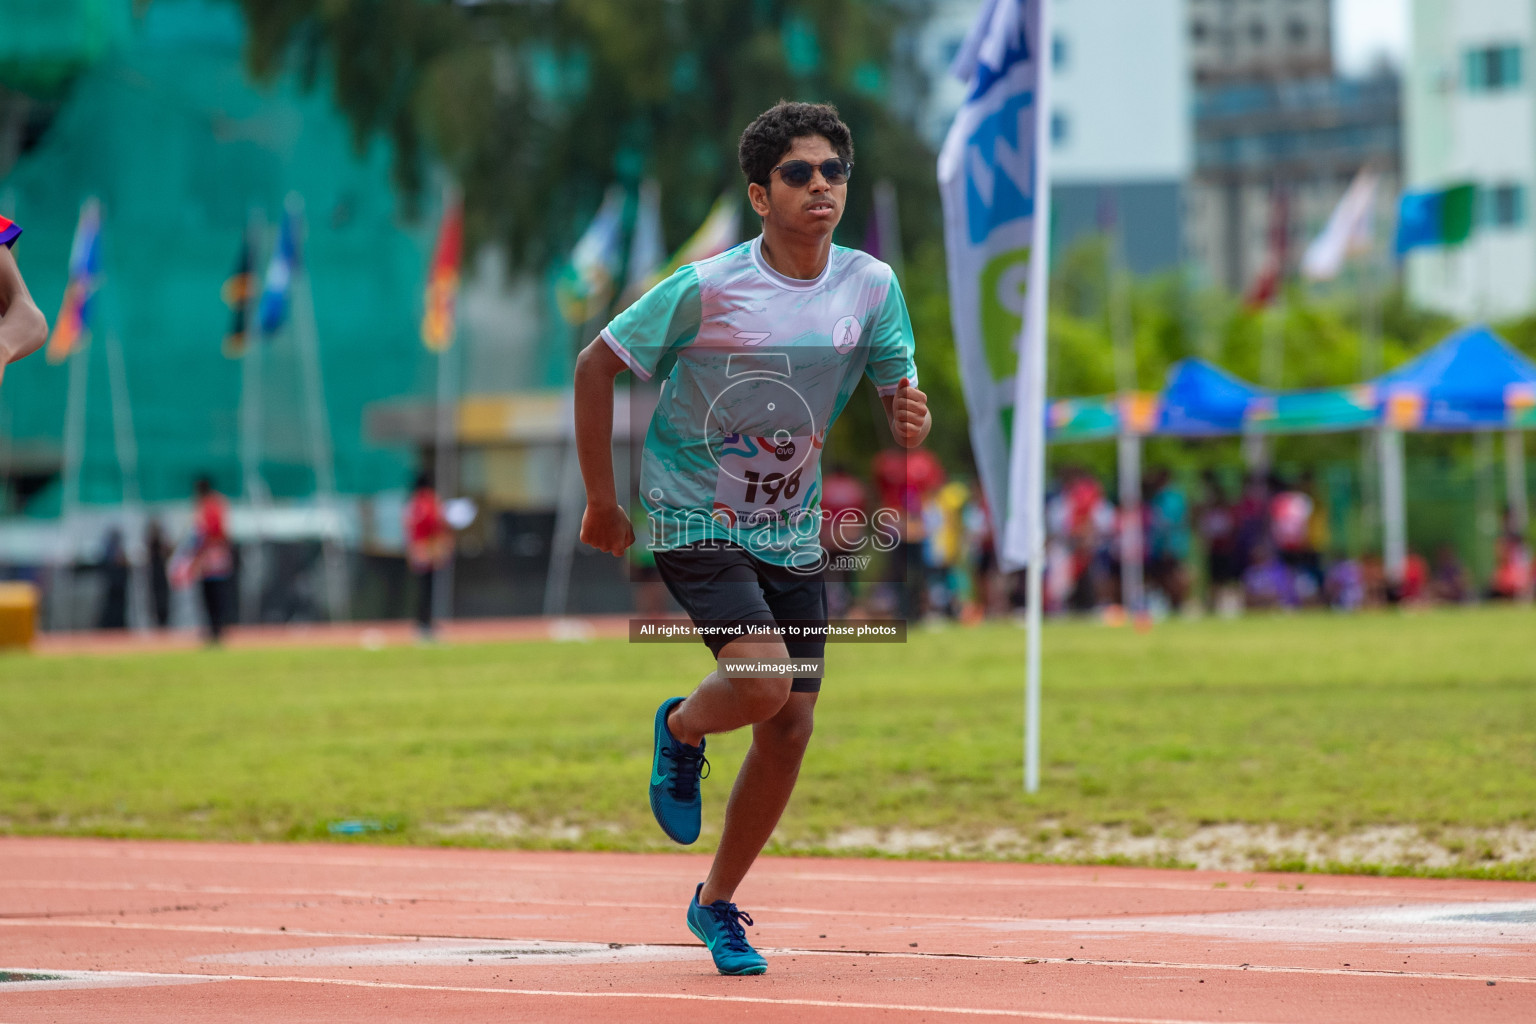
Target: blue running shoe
(719, 926)
(675, 773)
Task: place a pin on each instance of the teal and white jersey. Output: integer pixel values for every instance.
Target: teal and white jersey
(756, 368)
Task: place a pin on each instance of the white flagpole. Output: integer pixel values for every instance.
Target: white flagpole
(1514, 480)
(445, 463)
(1029, 416)
(126, 445)
(321, 453)
(1393, 507)
(1128, 448)
(253, 571)
(61, 597)
(445, 452)
(888, 224)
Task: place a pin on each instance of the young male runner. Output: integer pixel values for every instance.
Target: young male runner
(23, 328)
(760, 348)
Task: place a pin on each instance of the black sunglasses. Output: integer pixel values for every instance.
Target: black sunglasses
(798, 173)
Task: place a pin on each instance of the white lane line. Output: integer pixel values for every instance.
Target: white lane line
(964, 1011)
(481, 899)
(795, 951)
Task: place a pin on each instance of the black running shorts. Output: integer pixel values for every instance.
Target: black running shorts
(722, 586)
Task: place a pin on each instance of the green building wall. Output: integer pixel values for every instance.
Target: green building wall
(180, 144)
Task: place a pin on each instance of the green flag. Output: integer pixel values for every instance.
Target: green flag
(1458, 215)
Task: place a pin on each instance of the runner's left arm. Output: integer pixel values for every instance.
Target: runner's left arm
(23, 328)
(894, 373)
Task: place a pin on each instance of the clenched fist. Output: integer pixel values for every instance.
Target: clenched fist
(909, 415)
(607, 528)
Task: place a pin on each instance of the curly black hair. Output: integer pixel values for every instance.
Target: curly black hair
(775, 130)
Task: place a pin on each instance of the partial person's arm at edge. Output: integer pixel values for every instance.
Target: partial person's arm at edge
(907, 412)
(23, 328)
(605, 525)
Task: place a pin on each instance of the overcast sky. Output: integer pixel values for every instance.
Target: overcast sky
(1364, 29)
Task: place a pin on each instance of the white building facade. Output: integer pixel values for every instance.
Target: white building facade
(1470, 117)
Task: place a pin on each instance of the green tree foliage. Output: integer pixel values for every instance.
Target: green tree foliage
(535, 107)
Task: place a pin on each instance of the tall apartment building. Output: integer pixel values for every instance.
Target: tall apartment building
(1471, 117)
(1120, 131)
(1270, 119)
(1245, 40)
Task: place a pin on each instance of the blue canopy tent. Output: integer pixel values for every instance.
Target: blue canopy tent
(1203, 400)
(1471, 381)
(1463, 383)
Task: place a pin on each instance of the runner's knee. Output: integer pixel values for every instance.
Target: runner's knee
(761, 699)
(786, 734)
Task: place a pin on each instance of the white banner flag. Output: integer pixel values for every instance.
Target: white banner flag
(994, 183)
(1347, 233)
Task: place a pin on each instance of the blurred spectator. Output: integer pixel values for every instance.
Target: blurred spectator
(158, 553)
(1218, 532)
(844, 529)
(903, 480)
(1091, 535)
(1290, 519)
(982, 545)
(428, 543)
(944, 550)
(114, 571)
(1168, 539)
(1448, 577)
(212, 560)
(1415, 586)
(1251, 522)
(1512, 569)
(1373, 578)
(1345, 584)
(1268, 582)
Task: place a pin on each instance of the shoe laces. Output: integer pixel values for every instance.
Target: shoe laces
(689, 766)
(731, 921)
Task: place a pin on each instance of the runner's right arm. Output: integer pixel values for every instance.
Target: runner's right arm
(605, 525)
(23, 329)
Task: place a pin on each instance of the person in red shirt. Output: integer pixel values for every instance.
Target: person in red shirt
(844, 522)
(213, 560)
(427, 546)
(23, 329)
(904, 480)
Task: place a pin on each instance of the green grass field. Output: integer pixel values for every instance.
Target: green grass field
(1307, 722)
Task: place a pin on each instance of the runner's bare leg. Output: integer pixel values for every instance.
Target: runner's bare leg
(762, 790)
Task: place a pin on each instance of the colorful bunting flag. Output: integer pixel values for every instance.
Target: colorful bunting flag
(237, 291)
(720, 230)
(438, 320)
(74, 322)
(586, 286)
(273, 308)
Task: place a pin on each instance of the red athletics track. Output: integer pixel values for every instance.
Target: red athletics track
(155, 931)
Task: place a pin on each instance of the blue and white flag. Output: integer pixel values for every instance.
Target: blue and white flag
(995, 187)
(273, 309)
(586, 285)
(647, 248)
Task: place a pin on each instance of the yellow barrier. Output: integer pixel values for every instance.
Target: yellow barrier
(18, 614)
